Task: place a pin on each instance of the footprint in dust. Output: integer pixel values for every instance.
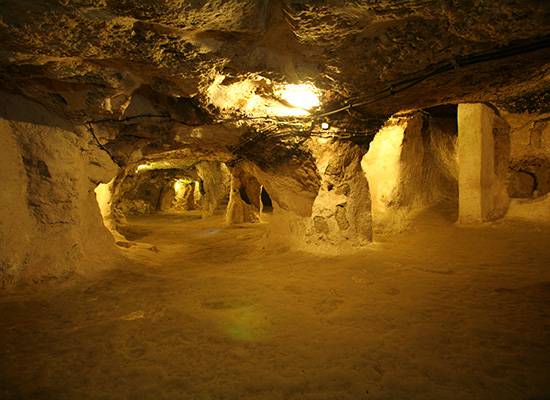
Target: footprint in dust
(296, 290)
(209, 232)
(436, 271)
(391, 291)
(326, 306)
(227, 304)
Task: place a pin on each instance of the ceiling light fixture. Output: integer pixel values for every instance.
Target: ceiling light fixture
(303, 95)
(249, 97)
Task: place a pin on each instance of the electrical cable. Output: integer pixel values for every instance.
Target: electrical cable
(440, 68)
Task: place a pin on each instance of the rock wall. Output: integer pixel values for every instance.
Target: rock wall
(529, 170)
(145, 192)
(292, 187)
(394, 176)
(440, 163)
(530, 154)
(184, 198)
(139, 192)
(215, 179)
(411, 165)
(536, 210)
(167, 197)
(321, 202)
(244, 198)
(341, 213)
(50, 222)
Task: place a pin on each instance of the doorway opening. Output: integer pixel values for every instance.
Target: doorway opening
(267, 204)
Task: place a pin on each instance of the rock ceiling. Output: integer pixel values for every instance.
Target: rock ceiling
(117, 60)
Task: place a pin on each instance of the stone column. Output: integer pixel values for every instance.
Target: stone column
(480, 187)
(244, 198)
(341, 212)
(188, 198)
(215, 181)
(394, 167)
(167, 195)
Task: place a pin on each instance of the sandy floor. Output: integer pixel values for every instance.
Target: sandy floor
(437, 313)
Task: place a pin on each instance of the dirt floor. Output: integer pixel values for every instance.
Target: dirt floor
(439, 312)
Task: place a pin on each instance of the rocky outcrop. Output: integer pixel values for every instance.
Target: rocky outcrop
(411, 165)
(321, 202)
(215, 180)
(51, 225)
(341, 212)
(244, 198)
(530, 154)
(529, 168)
(292, 184)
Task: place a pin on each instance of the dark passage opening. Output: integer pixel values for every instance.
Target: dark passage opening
(267, 205)
(244, 195)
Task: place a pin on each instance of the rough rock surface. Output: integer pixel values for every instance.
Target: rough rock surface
(411, 165)
(530, 154)
(88, 58)
(144, 192)
(244, 198)
(138, 71)
(341, 213)
(130, 81)
(215, 180)
(49, 218)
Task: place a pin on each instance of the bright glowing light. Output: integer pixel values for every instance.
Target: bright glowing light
(325, 126)
(304, 95)
(323, 140)
(245, 97)
(171, 163)
(179, 184)
(143, 167)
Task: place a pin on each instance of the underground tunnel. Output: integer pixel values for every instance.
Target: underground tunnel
(257, 200)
